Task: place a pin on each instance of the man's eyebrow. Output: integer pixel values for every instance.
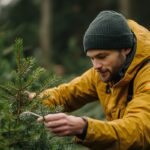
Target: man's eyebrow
(97, 55)
(103, 54)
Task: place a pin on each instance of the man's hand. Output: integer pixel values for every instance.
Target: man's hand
(30, 95)
(62, 124)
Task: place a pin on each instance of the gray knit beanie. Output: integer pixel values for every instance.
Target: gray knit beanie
(109, 30)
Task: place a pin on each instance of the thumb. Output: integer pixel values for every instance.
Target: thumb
(40, 119)
(30, 95)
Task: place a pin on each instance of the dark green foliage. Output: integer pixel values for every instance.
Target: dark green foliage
(19, 130)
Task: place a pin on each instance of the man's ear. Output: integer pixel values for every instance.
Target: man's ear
(126, 51)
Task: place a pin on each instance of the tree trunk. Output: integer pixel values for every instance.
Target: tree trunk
(124, 7)
(45, 33)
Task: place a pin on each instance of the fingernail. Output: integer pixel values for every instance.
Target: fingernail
(40, 119)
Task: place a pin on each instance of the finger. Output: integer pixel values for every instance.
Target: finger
(40, 119)
(58, 130)
(53, 117)
(61, 131)
(32, 95)
(56, 123)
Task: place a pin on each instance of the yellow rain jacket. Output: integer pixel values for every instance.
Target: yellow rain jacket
(128, 124)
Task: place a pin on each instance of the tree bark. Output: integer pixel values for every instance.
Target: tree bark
(45, 33)
(124, 7)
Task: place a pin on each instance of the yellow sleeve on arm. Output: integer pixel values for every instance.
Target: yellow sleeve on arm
(74, 94)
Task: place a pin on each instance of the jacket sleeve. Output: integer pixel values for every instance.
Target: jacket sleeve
(130, 132)
(74, 94)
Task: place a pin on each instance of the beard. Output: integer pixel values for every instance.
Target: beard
(109, 76)
(112, 75)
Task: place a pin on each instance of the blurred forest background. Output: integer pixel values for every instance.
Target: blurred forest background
(52, 31)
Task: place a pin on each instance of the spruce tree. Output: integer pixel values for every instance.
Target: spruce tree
(18, 127)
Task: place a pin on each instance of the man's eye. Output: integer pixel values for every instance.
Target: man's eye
(101, 57)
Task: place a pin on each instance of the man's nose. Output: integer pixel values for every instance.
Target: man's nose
(97, 64)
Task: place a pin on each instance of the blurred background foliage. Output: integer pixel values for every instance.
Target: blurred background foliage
(53, 30)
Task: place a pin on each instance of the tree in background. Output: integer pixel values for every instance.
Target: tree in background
(53, 30)
(46, 33)
(61, 26)
(124, 7)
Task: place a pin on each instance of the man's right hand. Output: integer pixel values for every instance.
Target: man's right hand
(30, 95)
(62, 124)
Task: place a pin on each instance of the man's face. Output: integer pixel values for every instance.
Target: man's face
(107, 62)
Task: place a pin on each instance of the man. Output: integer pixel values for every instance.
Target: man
(119, 51)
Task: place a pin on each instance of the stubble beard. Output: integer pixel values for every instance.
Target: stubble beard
(115, 70)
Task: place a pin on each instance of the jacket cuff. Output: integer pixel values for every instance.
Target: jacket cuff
(84, 132)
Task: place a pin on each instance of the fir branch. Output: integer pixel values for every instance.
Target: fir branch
(27, 66)
(44, 85)
(29, 113)
(6, 97)
(7, 89)
(34, 77)
(36, 74)
(29, 83)
(50, 82)
(12, 86)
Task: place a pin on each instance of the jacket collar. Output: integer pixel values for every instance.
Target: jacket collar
(127, 63)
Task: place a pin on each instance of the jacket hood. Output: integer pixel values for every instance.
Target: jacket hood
(142, 50)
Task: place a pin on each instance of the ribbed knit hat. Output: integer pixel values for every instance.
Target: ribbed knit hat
(109, 30)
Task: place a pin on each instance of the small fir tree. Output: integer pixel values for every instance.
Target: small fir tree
(18, 127)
